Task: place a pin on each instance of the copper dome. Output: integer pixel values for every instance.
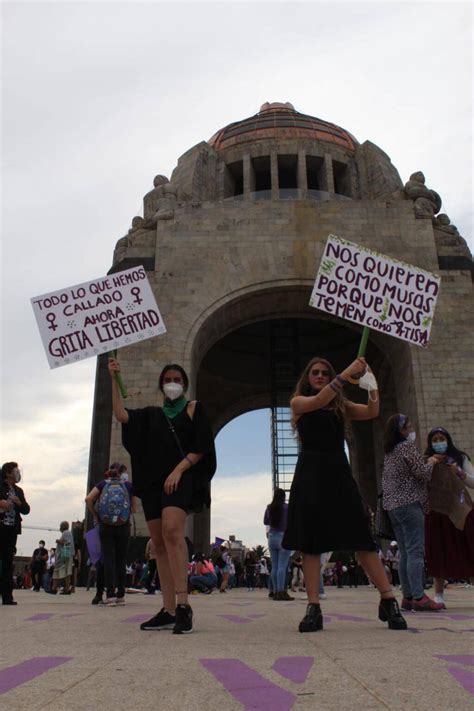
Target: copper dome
(281, 121)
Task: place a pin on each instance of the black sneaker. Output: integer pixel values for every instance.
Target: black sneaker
(162, 621)
(96, 599)
(184, 620)
(313, 620)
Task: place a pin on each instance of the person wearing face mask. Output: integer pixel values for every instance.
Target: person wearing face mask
(173, 459)
(449, 526)
(405, 497)
(12, 506)
(325, 510)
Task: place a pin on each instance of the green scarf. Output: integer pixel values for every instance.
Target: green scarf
(171, 408)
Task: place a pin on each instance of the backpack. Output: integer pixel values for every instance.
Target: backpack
(114, 503)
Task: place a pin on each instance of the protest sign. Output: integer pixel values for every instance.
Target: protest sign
(376, 291)
(85, 320)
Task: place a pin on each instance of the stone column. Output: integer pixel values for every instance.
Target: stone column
(326, 175)
(274, 175)
(302, 176)
(249, 176)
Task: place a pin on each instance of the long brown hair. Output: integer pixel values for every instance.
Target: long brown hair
(304, 388)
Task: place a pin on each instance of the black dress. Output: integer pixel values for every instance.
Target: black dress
(155, 452)
(325, 512)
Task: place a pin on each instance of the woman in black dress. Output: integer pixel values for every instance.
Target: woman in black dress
(325, 508)
(173, 459)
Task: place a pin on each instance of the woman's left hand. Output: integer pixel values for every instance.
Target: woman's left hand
(458, 471)
(172, 481)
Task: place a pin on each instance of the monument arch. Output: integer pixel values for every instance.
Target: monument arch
(231, 243)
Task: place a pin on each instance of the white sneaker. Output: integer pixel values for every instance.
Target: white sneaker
(108, 602)
(322, 596)
(439, 597)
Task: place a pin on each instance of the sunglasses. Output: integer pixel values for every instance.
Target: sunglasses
(326, 373)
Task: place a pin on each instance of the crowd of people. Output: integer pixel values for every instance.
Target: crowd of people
(425, 499)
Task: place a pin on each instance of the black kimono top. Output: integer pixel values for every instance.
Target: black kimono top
(154, 451)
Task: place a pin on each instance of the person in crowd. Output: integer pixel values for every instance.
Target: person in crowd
(352, 573)
(223, 562)
(76, 566)
(449, 534)
(263, 573)
(392, 557)
(339, 572)
(231, 582)
(204, 578)
(250, 566)
(13, 506)
(173, 459)
(150, 556)
(111, 503)
(48, 575)
(275, 519)
(64, 560)
(297, 577)
(38, 563)
(405, 496)
(325, 510)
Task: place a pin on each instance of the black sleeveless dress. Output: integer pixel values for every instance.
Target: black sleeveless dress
(325, 511)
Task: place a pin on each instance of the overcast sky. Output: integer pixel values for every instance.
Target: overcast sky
(99, 98)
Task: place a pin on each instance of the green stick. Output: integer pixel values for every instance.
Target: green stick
(363, 342)
(118, 377)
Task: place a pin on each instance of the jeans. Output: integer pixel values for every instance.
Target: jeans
(280, 558)
(114, 542)
(409, 525)
(203, 582)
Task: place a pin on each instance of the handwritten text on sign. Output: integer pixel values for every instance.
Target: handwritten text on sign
(88, 319)
(373, 290)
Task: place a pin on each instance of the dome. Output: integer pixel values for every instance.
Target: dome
(281, 121)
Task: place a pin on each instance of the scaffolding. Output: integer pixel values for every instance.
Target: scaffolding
(284, 370)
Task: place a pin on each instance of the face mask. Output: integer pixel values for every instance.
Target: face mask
(368, 382)
(173, 390)
(440, 447)
(124, 476)
(411, 436)
(16, 476)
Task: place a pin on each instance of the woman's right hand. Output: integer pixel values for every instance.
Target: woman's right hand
(114, 366)
(356, 369)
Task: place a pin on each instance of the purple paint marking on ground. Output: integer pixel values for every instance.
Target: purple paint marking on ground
(349, 618)
(236, 619)
(248, 687)
(459, 617)
(26, 671)
(72, 614)
(137, 618)
(241, 604)
(40, 616)
(294, 668)
(463, 677)
(458, 658)
(413, 630)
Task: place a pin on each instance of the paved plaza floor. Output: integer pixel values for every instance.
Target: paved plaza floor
(245, 653)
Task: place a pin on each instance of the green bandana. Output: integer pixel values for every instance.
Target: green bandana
(171, 408)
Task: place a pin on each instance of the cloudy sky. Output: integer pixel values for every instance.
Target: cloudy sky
(98, 98)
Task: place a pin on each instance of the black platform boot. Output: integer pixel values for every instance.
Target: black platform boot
(313, 620)
(390, 612)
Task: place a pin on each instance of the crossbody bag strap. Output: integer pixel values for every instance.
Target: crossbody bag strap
(175, 435)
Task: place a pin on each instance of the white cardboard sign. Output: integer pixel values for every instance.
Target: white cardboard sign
(85, 320)
(374, 290)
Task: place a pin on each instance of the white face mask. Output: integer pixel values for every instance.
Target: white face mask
(16, 476)
(124, 476)
(173, 390)
(411, 436)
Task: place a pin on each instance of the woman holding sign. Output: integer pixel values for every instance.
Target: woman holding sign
(173, 459)
(326, 511)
